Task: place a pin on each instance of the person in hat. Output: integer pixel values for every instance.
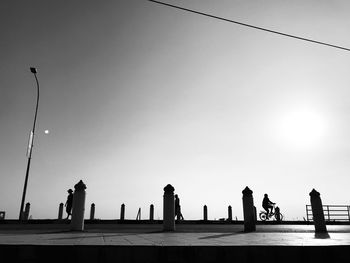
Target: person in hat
(69, 203)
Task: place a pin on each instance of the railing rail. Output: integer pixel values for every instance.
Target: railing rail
(331, 212)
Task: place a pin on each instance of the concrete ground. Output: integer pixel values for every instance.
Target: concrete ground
(185, 235)
(190, 243)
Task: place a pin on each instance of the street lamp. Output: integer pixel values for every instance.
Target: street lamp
(30, 145)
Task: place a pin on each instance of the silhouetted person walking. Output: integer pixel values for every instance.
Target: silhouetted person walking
(266, 204)
(69, 203)
(178, 213)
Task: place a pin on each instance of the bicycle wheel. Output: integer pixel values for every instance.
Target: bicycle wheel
(281, 217)
(262, 216)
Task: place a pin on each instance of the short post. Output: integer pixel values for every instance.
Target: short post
(92, 211)
(248, 210)
(151, 212)
(317, 212)
(60, 211)
(229, 213)
(26, 211)
(205, 213)
(78, 210)
(122, 212)
(277, 213)
(168, 208)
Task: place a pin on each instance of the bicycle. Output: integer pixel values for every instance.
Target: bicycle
(263, 216)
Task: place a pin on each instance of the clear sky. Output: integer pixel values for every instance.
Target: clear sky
(137, 95)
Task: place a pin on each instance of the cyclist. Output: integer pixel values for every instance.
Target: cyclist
(266, 204)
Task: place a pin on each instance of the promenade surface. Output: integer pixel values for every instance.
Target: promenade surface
(185, 235)
(190, 243)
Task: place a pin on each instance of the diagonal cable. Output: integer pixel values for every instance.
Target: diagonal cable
(252, 26)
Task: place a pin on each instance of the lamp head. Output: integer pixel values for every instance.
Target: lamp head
(33, 70)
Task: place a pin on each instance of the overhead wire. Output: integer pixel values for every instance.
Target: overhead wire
(251, 26)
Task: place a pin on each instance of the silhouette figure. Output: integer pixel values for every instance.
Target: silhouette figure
(266, 204)
(178, 213)
(69, 203)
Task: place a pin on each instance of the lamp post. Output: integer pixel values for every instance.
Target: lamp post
(30, 145)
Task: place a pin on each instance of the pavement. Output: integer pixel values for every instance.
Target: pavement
(185, 235)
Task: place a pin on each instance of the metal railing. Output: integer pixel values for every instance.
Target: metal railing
(331, 212)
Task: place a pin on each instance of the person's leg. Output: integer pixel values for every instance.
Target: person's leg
(267, 212)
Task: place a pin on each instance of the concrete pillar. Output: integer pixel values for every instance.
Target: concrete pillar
(317, 212)
(92, 211)
(151, 212)
(78, 210)
(168, 208)
(248, 210)
(26, 211)
(205, 213)
(229, 213)
(122, 212)
(60, 211)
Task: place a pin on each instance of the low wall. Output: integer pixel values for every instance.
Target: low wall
(172, 254)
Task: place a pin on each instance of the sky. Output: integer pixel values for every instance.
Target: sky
(136, 95)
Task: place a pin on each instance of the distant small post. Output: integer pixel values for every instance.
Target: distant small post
(168, 208)
(278, 215)
(122, 212)
(151, 212)
(248, 210)
(317, 212)
(205, 213)
(60, 211)
(77, 222)
(26, 211)
(229, 213)
(92, 211)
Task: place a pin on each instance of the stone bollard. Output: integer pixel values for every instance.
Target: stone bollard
(92, 211)
(317, 212)
(205, 213)
(60, 211)
(248, 210)
(229, 213)
(26, 211)
(122, 212)
(168, 208)
(151, 212)
(78, 210)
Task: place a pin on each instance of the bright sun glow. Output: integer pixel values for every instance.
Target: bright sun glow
(302, 128)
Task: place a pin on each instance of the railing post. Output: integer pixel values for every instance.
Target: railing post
(92, 211)
(248, 210)
(317, 212)
(329, 218)
(122, 212)
(205, 213)
(168, 208)
(77, 222)
(60, 211)
(151, 212)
